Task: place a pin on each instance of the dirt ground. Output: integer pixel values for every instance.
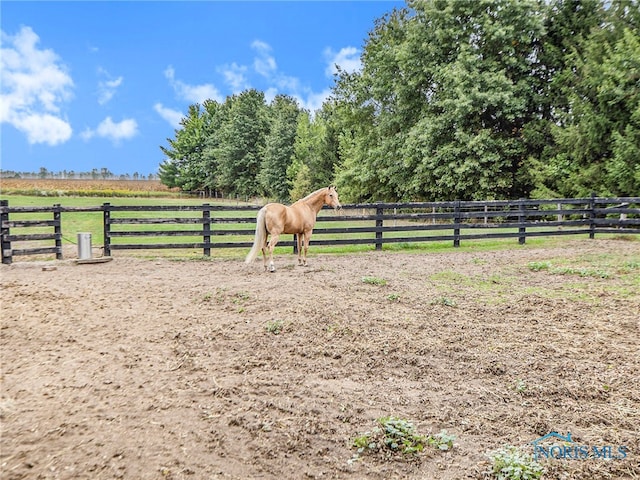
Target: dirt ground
(193, 369)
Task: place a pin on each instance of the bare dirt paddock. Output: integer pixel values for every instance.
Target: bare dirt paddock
(164, 369)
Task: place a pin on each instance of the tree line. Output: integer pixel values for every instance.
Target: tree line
(95, 174)
(456, 99)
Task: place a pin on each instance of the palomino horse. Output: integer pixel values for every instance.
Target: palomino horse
(275, 219)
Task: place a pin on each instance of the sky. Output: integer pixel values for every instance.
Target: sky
(104, 84)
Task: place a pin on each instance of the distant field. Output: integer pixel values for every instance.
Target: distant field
(89, 188)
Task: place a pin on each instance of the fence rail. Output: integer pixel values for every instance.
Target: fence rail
(206, 227)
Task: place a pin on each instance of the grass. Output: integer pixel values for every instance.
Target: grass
(374, 281)
(617, 275)
(604, 265)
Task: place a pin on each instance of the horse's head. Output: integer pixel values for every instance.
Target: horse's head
(331, 198)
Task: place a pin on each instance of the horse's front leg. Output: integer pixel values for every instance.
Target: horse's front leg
(272, 244)
(300, 237)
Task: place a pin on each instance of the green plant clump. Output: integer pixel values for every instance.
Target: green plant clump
(510, 463)
(274, 327)
(393, 435)
(447, 302)
(538, 266)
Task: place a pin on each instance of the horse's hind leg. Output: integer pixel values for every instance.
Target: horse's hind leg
(263, 248)
(264, 256)
(272, 244)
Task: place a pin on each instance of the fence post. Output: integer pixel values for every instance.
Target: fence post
(456, 224)
(6, 243)
(295, 243)
(106, 223)
(522, 230)
(206, 229)
(560, 216)
(379, 223)
(592, 216)
(57, 229)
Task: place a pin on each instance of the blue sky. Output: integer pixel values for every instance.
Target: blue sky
(103, 84)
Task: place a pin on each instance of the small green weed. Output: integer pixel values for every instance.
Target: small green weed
(394, 435)
(564, 270)
(582, 272)
(393, 297)
(628, 267)
(538, 266)
(510, 463)
(374, 281)
(520, 386)
(275, 327)
(442, 440)
(447, 302)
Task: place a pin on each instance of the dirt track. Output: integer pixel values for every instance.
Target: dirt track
(161, 369)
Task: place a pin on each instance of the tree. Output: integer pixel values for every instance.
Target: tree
(597, 135)
(242, 141)
(185, 166)
(105, 173)
(215, 117)
(168, 173)
(279, 147)
(314, 153)
(439, 107)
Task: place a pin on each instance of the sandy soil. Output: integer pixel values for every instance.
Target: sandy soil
(165, 369)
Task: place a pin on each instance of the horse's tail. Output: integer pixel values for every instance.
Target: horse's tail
(261, 236)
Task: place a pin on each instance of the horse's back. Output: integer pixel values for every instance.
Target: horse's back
(284, 219)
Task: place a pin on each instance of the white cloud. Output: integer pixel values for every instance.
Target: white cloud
(43, 128)
(264, 63)
(285, 82)
(192, 93)
(172, 116)
(124, 130)
(348, 59)
(235, 76)
(313, 101)
(107, 88)
(34, 86)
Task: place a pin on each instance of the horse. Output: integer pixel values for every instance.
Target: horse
(275, 219)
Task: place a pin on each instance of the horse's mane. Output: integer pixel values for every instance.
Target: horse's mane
(312, 194)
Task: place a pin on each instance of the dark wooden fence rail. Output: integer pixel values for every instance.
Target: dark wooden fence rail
(53, 224)
(220, 226)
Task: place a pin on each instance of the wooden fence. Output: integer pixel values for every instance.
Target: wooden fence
(206, 227)
(53, 224)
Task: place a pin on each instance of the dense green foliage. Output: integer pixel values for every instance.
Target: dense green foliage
(467, 99)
